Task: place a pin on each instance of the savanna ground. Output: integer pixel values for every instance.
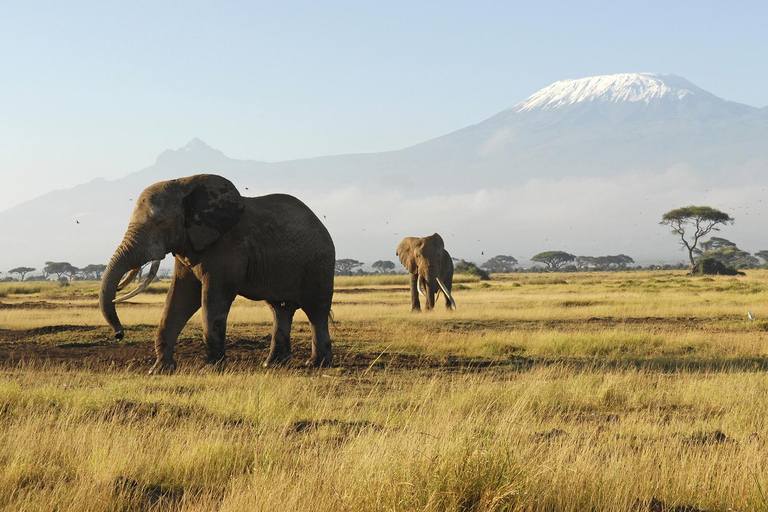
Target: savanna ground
(595, 391)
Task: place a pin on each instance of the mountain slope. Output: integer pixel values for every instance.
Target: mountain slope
(596, 128)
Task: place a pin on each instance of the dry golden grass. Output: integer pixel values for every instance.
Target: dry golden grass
(600, 391)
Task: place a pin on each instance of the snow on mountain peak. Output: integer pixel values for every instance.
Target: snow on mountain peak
(624, 87)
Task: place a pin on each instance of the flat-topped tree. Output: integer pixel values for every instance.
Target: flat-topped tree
(345, 267)
(22, 271)
(714, 244)
(697, 221)
(59, 268)
(553, 259)
(383, 266)
(500, 264)
(93, 270)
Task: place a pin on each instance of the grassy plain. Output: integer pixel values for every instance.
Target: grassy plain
(594, 391)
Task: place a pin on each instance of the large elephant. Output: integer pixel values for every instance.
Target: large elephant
(270, 248)
(431, 269)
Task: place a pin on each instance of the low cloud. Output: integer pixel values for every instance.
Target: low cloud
(584, 216)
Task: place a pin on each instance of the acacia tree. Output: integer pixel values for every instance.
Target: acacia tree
(618, 261)
(383, 266)
(500, 264)
(727, 253)
(22, 271)
(59, 268)
(715, 243)
(94, 270)
(345, 266)
(698, 221)
(553, 259)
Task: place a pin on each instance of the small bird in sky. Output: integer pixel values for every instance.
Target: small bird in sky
(751, 316)
(77, 221)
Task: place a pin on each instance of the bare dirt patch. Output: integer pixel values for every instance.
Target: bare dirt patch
(73, 346)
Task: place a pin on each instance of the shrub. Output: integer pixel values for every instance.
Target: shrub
(711, 266)
(467, 267)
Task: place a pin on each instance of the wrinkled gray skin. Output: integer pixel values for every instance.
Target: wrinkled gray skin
(427, 260)
(270, 248)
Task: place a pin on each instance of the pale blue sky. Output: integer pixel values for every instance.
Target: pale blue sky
(99, 89)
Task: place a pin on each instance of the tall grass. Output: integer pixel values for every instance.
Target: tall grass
(553, 438)
(601, 391)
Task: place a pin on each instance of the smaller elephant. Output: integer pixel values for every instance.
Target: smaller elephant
(431, 269)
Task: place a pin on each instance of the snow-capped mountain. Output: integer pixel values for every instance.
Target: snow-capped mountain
(603, 125)
(624, 87)
(605, 140)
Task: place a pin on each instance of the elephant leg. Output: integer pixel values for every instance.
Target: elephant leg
(216, 304)
(415, 305)
(321, 339)
(182, 302)
(280, 347)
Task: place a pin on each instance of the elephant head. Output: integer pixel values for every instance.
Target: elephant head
(431, 269)
(180, 216)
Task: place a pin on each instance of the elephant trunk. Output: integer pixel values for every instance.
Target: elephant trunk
(125, 259)
(428, 281)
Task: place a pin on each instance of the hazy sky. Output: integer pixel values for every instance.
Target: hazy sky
(99, 89)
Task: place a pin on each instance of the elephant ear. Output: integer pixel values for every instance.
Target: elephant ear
(210, 210)
(405, 253)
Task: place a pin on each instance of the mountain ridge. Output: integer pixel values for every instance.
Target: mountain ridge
(600, 141)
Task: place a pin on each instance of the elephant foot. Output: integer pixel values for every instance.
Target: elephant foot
(320, 361)
(276, 360)
(163, 367)
(415, 310)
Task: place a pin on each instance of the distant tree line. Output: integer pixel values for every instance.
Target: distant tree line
(60, 270)
(715, 248)
(64, 271)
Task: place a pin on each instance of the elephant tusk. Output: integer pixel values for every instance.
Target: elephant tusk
(142, 286)
(130, 276)
(419, 283)
(447, 293)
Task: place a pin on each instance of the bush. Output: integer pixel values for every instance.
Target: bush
(711, 266)
(467, 267)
